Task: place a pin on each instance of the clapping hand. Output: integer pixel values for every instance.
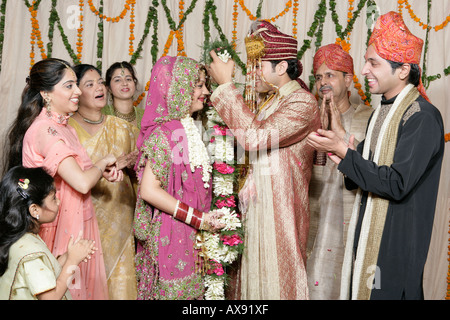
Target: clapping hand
(328, 141)
(330, 116)
(79, 249)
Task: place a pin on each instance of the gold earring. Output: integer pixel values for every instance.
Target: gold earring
(48, 104)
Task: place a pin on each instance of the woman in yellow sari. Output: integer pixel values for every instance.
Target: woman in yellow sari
(114, 202)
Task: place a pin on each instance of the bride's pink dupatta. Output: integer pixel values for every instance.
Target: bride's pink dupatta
(166, 260)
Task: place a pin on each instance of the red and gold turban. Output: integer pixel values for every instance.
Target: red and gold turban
(266, 43)
(334, 58)
(393, 41)
(276, 45)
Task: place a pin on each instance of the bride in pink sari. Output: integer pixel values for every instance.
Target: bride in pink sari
(174, 192)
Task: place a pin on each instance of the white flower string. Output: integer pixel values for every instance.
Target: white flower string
(198, 155)
(224, 247)
(224, 56)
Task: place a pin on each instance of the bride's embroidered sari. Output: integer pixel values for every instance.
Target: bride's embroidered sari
(166, 259)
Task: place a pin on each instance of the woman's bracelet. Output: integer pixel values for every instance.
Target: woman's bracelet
(188, 215)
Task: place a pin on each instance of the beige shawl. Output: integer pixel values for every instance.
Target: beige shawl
(364, 267)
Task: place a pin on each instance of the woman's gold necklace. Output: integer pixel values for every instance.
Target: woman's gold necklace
(130, 117)
(92, 121)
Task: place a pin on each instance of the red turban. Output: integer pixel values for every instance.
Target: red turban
(393, 41)
(267, 43)
(334, 58)
(277, 45)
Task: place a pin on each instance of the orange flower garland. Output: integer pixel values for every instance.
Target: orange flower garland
(179, 32)
(346, 46)
(168, 43)
(294, 23)
(142, 96)
(132, 25)
(80, 32)
(252, 17)
(417, 19)
(35, 35)
(235, 18)
(128, 5)
(447, 137)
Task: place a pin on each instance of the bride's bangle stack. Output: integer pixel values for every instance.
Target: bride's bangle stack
(189, 215)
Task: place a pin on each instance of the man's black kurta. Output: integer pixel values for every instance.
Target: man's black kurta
(411, 185)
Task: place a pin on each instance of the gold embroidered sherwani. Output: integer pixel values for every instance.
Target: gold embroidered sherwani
(273, 265)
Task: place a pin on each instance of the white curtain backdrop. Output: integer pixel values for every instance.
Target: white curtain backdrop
(15, 62)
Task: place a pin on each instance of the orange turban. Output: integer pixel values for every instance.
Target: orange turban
(334, 58)
(393, 41)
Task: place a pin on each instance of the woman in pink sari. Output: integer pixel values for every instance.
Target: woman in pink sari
(174, 175)
(40, 137)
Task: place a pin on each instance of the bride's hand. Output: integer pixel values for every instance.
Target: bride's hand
(211, 221)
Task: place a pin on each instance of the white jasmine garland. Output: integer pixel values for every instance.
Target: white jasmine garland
(215, 250)
(223, 185)
(221, 150)
(215, 289)
(198, 155)
(224, 56)
(229, 219)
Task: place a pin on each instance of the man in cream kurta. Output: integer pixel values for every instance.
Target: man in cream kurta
(330, 202)
(277, 218)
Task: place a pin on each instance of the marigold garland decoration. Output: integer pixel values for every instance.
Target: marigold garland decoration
(168, 43)
(345, 44)
(177, 30)
(80, 32)
(132, 25)
(294, 22)
(273, 19)
(179, 33)
(417, 19)
(350, 10)
(128, 5)
(35, 34)
(447, 137)
(235, 18)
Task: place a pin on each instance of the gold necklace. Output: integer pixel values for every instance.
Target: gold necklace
(130, 117)
(91, 121)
